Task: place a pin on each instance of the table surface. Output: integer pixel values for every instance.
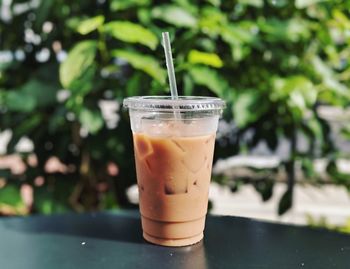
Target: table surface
(114, 240)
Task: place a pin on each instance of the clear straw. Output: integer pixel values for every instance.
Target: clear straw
(169, 65)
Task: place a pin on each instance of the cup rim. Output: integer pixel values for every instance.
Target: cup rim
(166, 103)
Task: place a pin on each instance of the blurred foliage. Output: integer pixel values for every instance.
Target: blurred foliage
(273, 61)
(323, 223)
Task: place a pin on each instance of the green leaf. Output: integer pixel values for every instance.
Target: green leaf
(345, 131)
(108, 201)
(336, 175)
(278, 3)
(315, 128)
(43, 92)
(86, 26)
(211, 21)
(10, 195)
(341, 18)
(33, 94)
(265, 188)
(91, 120)
(190, 6)
(188, 85)
(292, 30)
(297, 91)
(117, 5)
(144, 16)
(26, 126)
(43, 200)
(85, 83)
(133, 86)
(238, 34)
(132, 33)
(54, 198)
(174, 15)
(241, 37)
(329, 78)
(248, 107)
(285, 203)
(74, 22)
(142, 62)
(199, 57)
(239, 52)
(46, 207)
(209, 78)
(300, 4)
(255, 3)
(308, 167)
(215, 3)
(5, 64)
(79, 59)
(18, 101)
(57, 120)
(283, 87)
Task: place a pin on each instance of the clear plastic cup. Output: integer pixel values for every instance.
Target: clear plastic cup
(174, 145)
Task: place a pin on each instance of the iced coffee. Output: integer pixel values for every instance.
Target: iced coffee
(173, 154)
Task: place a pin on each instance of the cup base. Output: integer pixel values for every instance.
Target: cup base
(181, 242)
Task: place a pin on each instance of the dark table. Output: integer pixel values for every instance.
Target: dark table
(113, 240)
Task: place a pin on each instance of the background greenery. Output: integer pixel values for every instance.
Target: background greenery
(274, 62)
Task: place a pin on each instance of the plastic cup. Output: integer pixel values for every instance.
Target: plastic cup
(173, 145)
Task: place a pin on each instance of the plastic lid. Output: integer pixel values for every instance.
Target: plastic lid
(182, 104)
